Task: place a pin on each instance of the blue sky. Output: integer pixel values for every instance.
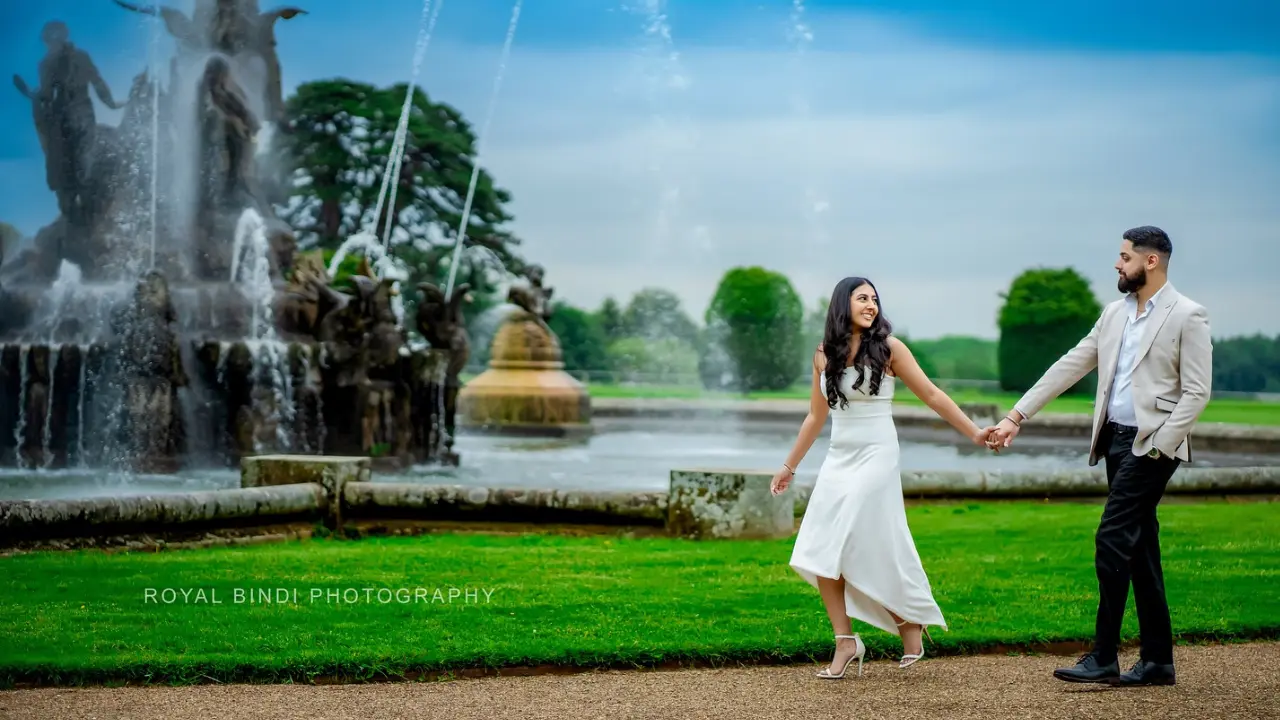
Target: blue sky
(938, 147)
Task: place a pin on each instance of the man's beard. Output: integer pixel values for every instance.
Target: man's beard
(1128, 284)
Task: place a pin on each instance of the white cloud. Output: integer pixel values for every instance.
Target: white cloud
(945, 171)
(942, 170)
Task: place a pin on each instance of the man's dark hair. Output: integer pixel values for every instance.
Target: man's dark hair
(1151, 239)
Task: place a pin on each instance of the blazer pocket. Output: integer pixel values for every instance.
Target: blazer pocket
(1166, 404)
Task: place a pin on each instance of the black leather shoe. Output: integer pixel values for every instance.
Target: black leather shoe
(1146, 673)
(1088, 670)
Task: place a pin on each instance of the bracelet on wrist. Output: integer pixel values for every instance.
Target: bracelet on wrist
(789, 468)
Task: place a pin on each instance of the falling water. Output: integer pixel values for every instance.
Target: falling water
(311, 390)
(484, 134)
(390, 179)
(441, 430)
(155, 128)
(665, 75)
(84, 379)
(321, 432)
(801, 36)
(48, 407)
(194, 402)
(384, 265)
(251, 269)
(19, 430)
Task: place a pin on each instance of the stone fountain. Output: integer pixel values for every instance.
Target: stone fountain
(525, 389)
(165, 319)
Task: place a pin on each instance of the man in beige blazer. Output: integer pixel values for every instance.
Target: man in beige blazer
(1154, 358)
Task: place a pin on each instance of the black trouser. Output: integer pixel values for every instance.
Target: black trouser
(1128, 547)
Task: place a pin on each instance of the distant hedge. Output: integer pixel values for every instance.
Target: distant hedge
(755, 333)
(1045, 313)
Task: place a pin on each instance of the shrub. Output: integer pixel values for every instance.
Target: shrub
(755, 325)
(1045, 313)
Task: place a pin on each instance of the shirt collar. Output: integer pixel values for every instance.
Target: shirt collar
(1151, 302)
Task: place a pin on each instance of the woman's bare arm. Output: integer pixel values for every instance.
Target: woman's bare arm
(904, 365)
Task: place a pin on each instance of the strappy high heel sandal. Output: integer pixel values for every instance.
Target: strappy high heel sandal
(861, 653)
(911, 659)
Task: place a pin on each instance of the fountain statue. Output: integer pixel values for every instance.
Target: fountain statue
(525, 388)
(166, 320)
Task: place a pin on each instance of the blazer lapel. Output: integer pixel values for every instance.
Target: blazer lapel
(1159, 314)
(1113, 330)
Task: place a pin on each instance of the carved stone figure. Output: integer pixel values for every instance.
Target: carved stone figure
(441, 323)
(385, 339)
(153, 372)
(232, 28)
(229, 127)
(64, 117)
(145, 328)
(531, 295)
(298, 304)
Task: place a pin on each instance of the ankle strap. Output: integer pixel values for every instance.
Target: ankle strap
(847, 637)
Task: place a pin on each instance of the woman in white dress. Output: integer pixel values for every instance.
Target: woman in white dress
(854, 545)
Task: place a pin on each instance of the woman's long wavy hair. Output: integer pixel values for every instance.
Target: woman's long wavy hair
(837, 338)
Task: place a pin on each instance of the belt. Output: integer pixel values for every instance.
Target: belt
(1122, 428)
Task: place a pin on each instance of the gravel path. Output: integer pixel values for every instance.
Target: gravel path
(1233, 681)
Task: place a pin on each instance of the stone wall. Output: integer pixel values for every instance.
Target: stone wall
(728, 504)
(22, 520)
(701, 503)
(455, 502)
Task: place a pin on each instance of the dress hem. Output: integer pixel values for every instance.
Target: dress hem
(805, 571)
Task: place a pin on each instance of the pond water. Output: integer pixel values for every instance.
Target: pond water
(622, 454)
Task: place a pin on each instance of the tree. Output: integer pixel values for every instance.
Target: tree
(654, 314)
(815, 321)
(582, 341)
(665, 360)
(610, 318)
(922, 357)
(1045, 313)
(342, 133)
(1247, 364)
(962, 357)
(754, 325)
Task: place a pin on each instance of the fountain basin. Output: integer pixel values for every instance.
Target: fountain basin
(88, 406)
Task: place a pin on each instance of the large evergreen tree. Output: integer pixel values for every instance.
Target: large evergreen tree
(341, 134)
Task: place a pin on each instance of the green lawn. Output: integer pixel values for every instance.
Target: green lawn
(1004, 573)
(1251, 412)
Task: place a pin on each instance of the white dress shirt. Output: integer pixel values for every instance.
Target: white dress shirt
(1120, 408)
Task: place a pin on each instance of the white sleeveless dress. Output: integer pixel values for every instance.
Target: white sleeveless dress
(855, 524)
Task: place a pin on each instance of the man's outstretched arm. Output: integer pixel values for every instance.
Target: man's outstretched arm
(1067, 371)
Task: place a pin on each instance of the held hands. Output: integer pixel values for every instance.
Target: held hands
(983, 437)
(1002, 435)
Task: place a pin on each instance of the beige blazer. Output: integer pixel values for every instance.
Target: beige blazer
(1171, 380)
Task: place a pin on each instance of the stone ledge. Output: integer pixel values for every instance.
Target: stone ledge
(416, 500)
(331, 472)
(710, 503)
(701, 503)
(22, 520)
(1088, 482)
